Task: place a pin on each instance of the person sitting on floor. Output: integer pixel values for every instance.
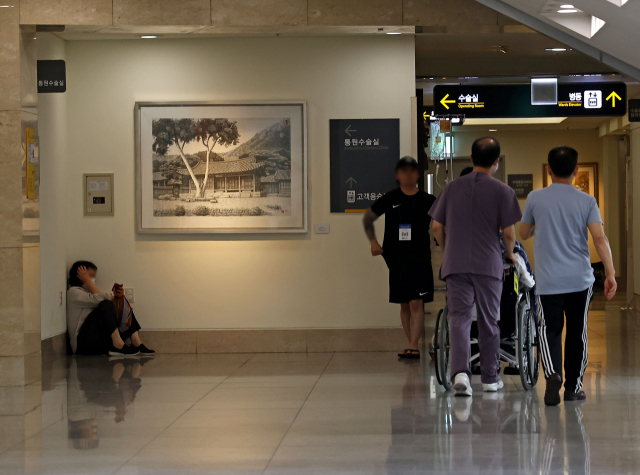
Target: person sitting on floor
(93, 323)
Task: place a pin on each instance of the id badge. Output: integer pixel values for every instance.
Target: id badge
(405, 232)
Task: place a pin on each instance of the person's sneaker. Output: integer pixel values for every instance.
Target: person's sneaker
(124, 351)
(462, 385)
(552, 393)
(144, 350)
(573, 396)
(492, 387)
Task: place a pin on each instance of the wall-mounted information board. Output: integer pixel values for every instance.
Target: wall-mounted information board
(364, 153)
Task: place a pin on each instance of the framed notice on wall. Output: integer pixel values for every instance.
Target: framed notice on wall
(521, 184)
(586, 180)
(221, 167)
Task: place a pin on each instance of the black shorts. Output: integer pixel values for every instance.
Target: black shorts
(410, 279)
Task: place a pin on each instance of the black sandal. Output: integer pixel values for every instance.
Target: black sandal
(410, 354)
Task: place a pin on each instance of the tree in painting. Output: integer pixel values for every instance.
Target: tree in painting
(178, 132)
(212, 132)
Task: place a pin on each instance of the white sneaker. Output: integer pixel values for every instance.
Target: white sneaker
(492, 387)
(462, 385)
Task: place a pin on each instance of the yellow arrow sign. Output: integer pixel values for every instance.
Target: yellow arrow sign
(425, 116)
(613, 96)
(444, 101)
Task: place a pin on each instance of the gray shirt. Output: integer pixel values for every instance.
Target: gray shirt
(80, 303)
(474, 208)
(561, 214)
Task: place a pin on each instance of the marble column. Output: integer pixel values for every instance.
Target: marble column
(20, 362)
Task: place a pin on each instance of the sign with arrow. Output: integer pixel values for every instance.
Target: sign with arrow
(363, 153)
(579, 99)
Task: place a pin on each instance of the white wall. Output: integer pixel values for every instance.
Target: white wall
(226, 281)
(635, 159)
(52, 127)
(526, 152)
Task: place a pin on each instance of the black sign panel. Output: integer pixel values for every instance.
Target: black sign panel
(602, 99)
(52, 76)
(521, 184)
(364, 153)
(634, 110)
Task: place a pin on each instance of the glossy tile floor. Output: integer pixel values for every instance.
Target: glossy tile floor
(338, 413)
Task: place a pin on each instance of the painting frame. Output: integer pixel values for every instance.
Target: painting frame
(295, 222)
(591, 168)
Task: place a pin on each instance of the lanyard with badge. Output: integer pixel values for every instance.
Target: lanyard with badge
(405, 229)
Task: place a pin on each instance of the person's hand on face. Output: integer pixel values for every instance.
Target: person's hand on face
(83, 274)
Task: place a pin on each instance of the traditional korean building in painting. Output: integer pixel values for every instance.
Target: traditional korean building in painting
(277, 184)
(236, 178)
(159, 179)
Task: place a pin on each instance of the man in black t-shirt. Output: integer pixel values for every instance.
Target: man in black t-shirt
(406, 248)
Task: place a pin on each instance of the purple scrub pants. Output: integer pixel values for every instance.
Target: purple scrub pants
(463, 292)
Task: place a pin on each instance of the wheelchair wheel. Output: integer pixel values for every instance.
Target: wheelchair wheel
(528, 360)
(436, 337)
(443, 364)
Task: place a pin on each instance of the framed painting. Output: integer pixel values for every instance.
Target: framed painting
(221, 167)
(586, 180)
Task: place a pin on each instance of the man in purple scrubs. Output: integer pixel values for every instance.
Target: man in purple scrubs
(467, 217)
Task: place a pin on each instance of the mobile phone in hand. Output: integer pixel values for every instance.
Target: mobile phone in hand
(116, 287)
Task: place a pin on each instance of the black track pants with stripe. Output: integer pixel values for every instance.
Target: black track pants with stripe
(553, 310)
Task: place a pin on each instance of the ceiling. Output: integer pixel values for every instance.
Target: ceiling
(520, 53)
(615, 43)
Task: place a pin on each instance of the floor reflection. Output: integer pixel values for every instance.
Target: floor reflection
(100, 391)
(503, 432)
(321, 413)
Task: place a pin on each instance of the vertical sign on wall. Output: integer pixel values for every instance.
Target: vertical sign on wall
(634, 110)
(30, 163)
(363, 157)
(52, 75)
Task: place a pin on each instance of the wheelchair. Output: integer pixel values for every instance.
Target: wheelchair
(519, 344)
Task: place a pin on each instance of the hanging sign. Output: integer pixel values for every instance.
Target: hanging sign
(581, 99)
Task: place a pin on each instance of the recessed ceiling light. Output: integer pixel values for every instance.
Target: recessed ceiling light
(567, 6)
(556, 49)
(493, 130)
(568, 10)
(148, 36)
(393, 33)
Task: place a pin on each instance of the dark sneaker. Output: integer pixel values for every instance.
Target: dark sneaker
(144, 350)
(573, 396)
(124, 351)
(552, 394)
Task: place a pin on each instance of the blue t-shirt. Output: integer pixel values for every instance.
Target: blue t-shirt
(561, 214)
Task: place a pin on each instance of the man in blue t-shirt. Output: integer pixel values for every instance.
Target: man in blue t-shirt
(560, 216)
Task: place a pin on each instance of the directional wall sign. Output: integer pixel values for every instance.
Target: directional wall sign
(634, 110)
(364, 153)
(601, 99)
(52, 75)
